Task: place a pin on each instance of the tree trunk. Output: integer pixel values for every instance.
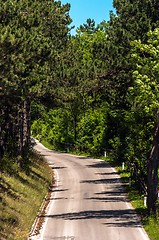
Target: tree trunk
(26, 126)
(153, 161)
(2, 133)
(23, 133)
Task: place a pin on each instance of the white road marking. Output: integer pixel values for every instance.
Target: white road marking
(50, 206)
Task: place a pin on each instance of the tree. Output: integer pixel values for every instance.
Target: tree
(84, 85)
(133, 19)
(145, 96)
(88, 27)
(33, 38)
(83, 88)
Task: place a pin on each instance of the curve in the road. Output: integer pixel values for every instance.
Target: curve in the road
(88, 202)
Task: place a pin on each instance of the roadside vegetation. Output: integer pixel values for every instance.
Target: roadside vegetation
(21, 196)
(136, 196)
(150, 224)
(96, 91)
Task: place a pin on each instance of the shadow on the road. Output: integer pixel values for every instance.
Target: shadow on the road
(58, 190)
(83, 157)
(115, 192)
(106, 173)
(60, 198)
(118, 218)
(53, 166)
(107, 199)
(102, 181)
(58, 167)
(100, 164)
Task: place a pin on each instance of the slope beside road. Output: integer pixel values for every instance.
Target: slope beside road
(87, 202)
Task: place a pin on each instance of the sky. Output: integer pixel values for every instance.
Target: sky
(81, 10)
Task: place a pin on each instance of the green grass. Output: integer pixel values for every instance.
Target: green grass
(21, 196)
(47, 144)
(150, 224)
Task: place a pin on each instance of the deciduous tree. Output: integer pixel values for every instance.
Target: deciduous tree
(145, 95)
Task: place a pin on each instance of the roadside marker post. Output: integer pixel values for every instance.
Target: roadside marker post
(123, 165)
(145, 201)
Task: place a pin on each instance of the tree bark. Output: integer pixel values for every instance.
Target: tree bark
(26, 126)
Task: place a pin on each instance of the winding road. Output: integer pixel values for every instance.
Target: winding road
(87, 202)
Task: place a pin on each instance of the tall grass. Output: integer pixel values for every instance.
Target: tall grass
(21, 196)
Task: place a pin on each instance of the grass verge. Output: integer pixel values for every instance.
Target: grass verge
(150, 224)
(21, 196)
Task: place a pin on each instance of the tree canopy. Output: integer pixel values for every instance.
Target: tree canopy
(34, 35)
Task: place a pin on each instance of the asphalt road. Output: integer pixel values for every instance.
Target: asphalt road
(87, 202)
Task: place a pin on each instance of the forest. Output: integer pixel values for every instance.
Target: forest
(91, 92)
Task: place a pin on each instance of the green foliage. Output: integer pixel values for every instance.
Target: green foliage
(33, 40)
(59, 127)
(91, 129)
(145, 92)
(143, 96)
(145, 104)
(55, 127)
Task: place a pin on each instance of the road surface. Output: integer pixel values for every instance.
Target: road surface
(87, 202)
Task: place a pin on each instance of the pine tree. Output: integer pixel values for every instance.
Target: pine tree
(33, 36)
